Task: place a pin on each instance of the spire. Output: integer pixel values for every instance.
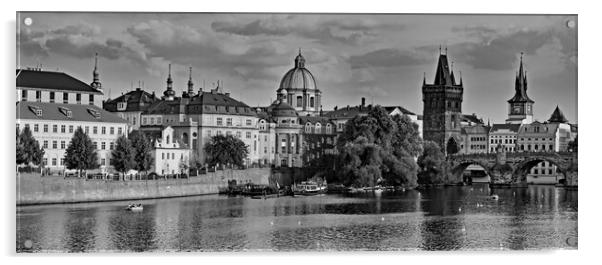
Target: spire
(169, 93)
(95, 75)
(424, 78)
(190, 84)
(520, 84)
(557, 116)
(299, 60)
(443, 76)
(452, 77)
(460, 78)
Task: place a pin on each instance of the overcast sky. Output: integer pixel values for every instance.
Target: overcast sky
(380, 57)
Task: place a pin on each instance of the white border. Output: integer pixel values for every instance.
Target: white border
(590, 80)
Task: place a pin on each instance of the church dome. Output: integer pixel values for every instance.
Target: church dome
(298, 77)
(282, 109)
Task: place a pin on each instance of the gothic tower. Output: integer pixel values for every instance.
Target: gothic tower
(520, 107)
(190, 85)
(442, 102)
(95, 76)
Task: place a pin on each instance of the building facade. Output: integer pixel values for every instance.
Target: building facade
(54, 104)
(169, 155)
(504, 134)
(298, 88)
(130, 106)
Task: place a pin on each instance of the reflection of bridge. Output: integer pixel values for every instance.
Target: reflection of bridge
(512, 168)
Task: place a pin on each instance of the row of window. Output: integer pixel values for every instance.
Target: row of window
(219, 121)
(300, 102)
(248, 135)
(505, 141)
(63, 145)
(61, 162)
(171, 155)
(475, 139)
(543, 171)
(478, 147)
(52, 99)
(70, 128)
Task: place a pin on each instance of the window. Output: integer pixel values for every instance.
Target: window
(62, 144)
(119, 130)
(219, 132)
(162, 155)
(45, 144)
(228, 133)
(86, 129)
(91, 99)
(152, 120)
(103, 130)
(95, 129)
(103, 145)
(95, 145)
(24, 95)
(65, 98)
(45, 128)
(535, 171)
(54, 144)
(35, 128)
(55, 128)
(249, 122)
(299, 101)
(112, 130)
(551, 147)
(311, 102)
(248, 135)
(51, 97)
(229, 122)
(238, 134)
(111, 146)
(70, 128)
(159, 120)
(209, 133)
(62, 161)
(134, 120)
(219, 122)
(63, 128)
(54, 161)
(38, 96)
(102, 161)
(78, 98)
(144, 120)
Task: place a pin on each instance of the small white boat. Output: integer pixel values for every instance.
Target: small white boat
(309, 188)
(494, 197)
(134, 207)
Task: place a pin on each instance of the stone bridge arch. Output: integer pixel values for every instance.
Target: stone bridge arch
(522, 167)
(458, 167)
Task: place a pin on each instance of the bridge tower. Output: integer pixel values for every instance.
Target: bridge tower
(520, 107)
(442, 101)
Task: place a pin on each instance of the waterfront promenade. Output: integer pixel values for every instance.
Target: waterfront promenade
(32, 188)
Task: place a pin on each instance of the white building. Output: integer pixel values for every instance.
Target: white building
(504, 134)
(54, 104)
(170, 155)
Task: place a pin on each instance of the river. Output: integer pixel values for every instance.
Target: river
(450, 218)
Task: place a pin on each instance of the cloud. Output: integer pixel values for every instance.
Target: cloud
(30, 44)
(350, 31)
(388, 57)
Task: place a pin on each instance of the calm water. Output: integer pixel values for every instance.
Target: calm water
(538, 217)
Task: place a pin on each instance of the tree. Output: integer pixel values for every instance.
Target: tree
(28, 148)
(452, 146)
(226, 150)
(80, 153)
(432, 164)
(378, 148)
(573, 145)
(142, 151)
(122, 156)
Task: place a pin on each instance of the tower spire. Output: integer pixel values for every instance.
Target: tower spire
(169, 93)
(95, 75)
(190, 83)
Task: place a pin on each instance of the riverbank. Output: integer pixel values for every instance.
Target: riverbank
(34, 189)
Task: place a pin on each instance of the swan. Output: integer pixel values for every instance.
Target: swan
(495, 197)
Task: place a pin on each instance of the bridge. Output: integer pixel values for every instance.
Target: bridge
(511, 168)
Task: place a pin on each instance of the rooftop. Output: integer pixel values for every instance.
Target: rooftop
(52, 80)
(61, 112)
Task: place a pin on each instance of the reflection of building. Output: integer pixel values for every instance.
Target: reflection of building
(442, 102)
(130, 106)
(54, 104)
(170, 156)
(520, 106)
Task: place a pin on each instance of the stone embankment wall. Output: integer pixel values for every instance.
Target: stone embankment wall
(34, 189)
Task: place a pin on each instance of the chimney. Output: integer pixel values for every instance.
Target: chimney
(363, 101)
(336, 107)
(227, 94)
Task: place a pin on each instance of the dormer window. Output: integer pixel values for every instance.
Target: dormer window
(121, 106)
(67, 112)
(36, 110)
(94, 113)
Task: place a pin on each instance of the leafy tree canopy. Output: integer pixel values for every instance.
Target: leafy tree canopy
(432, 164)
(28, 148)
(143, 148)
(122, 156)
(80, 153)
(226, 149)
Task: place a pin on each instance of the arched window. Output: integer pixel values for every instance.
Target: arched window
(308, 127)
(311, 102)
(167, 142)
(299, 101)
(318, 128)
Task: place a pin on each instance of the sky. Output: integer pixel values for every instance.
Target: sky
(382, 57)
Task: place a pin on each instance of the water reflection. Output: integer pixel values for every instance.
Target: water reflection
(448, 218)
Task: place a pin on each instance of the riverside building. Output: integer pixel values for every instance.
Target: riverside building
(54, 104)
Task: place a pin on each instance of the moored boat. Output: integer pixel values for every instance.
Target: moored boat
(309, 188)
(134, 207)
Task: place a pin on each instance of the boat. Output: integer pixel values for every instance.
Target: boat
(134, 207)
(309, 188)
(494, 197)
